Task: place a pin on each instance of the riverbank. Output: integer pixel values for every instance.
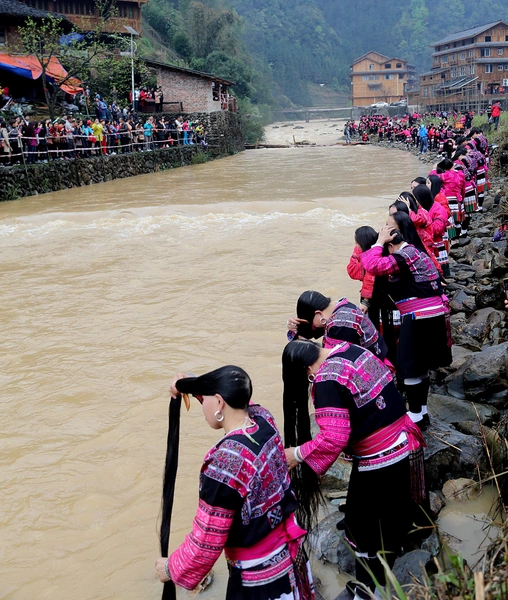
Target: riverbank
(467, 440)
(224, 137)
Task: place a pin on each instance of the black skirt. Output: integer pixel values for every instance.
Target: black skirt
(379, 508)
(424, 345)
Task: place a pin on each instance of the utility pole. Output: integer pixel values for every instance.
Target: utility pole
(133, 32)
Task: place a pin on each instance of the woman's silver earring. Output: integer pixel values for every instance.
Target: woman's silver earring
(322, 320)
(220, 418)
(311, 377)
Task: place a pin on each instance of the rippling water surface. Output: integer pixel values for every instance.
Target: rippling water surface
(108, 291)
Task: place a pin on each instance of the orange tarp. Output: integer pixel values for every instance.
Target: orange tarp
(30, 66)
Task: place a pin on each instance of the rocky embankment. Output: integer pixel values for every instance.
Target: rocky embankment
(468, 406)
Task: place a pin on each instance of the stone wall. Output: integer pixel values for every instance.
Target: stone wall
(224, 138)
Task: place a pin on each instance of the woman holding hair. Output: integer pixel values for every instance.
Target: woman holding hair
(415, 287)
(364, 238)
(246, 506)
(454, 188)
(358, 410)
(340, 321)
(439, 223)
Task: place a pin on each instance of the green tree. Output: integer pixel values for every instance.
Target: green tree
(42, 38)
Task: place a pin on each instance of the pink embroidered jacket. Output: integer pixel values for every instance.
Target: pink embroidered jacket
(244, 496)
(354, 395)
(454, 183)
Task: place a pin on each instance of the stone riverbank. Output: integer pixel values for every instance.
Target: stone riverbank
(224, 136)
(468, 405)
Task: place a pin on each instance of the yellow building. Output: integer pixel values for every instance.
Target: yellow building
(378, 78)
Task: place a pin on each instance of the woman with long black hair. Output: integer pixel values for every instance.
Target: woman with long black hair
(414, 285)
(246, 505)
(317, 316)
(358, 410)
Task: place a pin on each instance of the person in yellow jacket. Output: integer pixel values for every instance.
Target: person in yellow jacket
(97, 129)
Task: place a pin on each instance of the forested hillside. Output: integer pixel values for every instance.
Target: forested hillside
(274, 49)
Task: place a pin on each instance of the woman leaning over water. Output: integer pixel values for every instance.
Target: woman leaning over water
(246, 506)
(415, 287)
(359, 410)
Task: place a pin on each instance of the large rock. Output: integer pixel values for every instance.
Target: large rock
(328, 545)
(481, 322)
(490, 295)
(449, 454)
(453, 410)
(485, 376)
(495, 444)
(461, 489)
(411, 566)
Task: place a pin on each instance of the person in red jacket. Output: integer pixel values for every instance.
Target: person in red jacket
(496, 113)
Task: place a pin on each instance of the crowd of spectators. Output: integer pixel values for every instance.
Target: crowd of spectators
(72, 137)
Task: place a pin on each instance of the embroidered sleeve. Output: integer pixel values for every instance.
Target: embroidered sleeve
(333, 420)
(376, 264)
(192, 561)
(218, 503)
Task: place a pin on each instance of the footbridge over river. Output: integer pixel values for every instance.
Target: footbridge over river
(344, 112)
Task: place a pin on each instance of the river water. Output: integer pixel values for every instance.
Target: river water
(108, 291)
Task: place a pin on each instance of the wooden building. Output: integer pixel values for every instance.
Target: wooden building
(83, 13)
(378, 78)
(12, 15)
(192, 91)
(469, 69)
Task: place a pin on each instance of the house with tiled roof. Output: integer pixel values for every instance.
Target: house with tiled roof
(469, 69)
(379, 78)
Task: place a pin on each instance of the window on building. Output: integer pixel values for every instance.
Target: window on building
(389, 76)
(471, 53)
(471, 69)
(446, 47)
(453, 73)
(462, 56)
(388, 66)
(444, 60)
(500, 52)
(485, 52)
(463, 42)
(499, 67)
(398, 65)
(506, 67)
(488, 38)
(462, 71)
(371, 67)
(401, 75)
(425, 92)
(3, 36)
(454, 56)
(365, 78)
(488, 69)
